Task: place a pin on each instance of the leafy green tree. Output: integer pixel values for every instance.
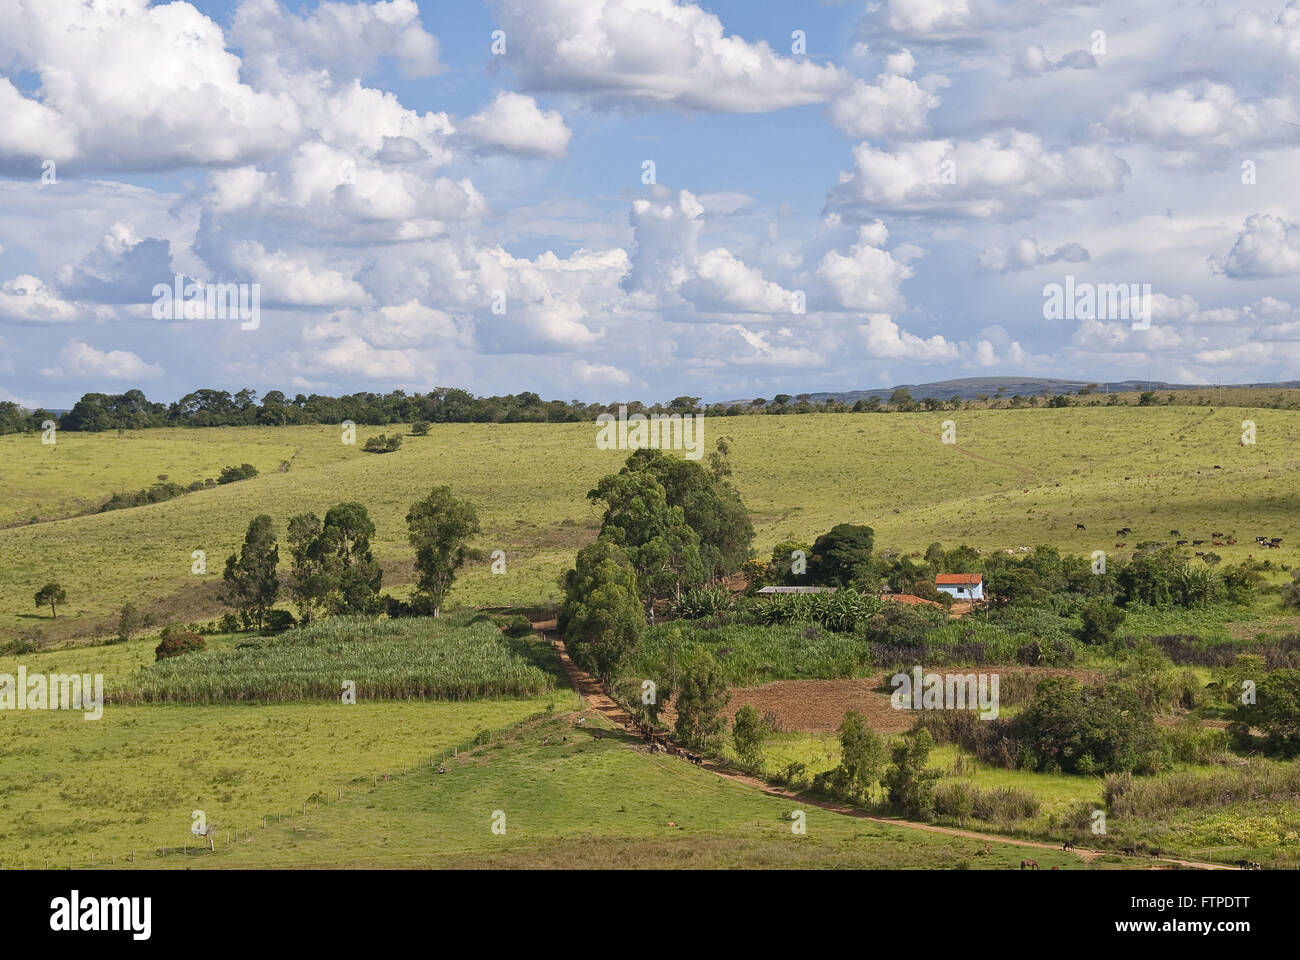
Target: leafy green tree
(602, 616)
(51, 594)
(710, 505)
(702, 694)
(354, 578)
(862, 757)
(252, 584)
(128, 622)
(1073, 728)
(1101, 618)
(841, 555)
(909, 781)
(440, 527)
(309, 582)
(1277, 711)
(663, 549)
(787, 557)
(748, 731)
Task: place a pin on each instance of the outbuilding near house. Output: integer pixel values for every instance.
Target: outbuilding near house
(963, 586)
(774, 591)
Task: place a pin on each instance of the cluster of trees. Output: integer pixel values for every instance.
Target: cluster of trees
(332, 568)
(669, 525)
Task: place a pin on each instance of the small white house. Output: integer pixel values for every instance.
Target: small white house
(963, 586)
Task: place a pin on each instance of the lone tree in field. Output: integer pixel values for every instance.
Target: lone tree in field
(440, 527)
(129, 622)
(701, 695)
(862, 759)
(52, 594)
(252, 585)
(602, 616)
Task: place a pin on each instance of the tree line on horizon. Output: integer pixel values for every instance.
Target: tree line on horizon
(132, 410)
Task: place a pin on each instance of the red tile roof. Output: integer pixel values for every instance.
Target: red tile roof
(959, 578)
(911, 599)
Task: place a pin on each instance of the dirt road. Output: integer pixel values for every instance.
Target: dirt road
(590, 690)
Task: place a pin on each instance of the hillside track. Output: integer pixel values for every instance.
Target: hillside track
(595, 697)
(1025, 475)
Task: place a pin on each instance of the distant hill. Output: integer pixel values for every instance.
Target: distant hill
(969, 388)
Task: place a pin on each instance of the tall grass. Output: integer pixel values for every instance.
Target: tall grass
(750, 655)
(419, 658)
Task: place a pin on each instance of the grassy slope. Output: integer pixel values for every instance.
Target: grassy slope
(799, 475)
(587, 803)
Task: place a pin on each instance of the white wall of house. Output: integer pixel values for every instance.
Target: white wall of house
(962, 591)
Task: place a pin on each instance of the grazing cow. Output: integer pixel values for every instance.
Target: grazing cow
(1068, 845)
(1121, 544)
(1174, 533)
(1216, 533)
(1056, 868)
(1217, 467)
(1275, 540)
(1079, 526)
(1230, 542)
(582, 722)
(1119, 533)
(983, 853)
(1197, 543)
(1200, 553)
(1181, 543)
(1028, 864)
(1217, 543)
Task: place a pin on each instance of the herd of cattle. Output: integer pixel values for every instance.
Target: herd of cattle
(1217, 539)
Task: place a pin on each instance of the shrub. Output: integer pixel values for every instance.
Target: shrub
(177, 642)
(518, 626)
(700, 602)
(420, 428)
(278, 621)
(382, 444)
(244, 471)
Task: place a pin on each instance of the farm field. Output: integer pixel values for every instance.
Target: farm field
(1015, 477)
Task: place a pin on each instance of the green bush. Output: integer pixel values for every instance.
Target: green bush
(244, 471)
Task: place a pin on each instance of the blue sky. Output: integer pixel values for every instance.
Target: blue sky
(417, 211)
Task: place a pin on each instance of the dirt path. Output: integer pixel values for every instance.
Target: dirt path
(1025, 475)
(589, 689)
